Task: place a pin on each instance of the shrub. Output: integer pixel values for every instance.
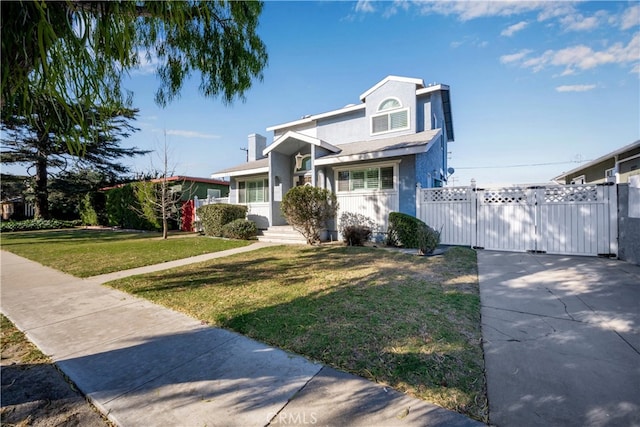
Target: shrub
(242, 229)
(36, 224)
(215, 216)
(92, 209)
(307, 209)
(428, 240)
(355, 228)
(408, 231)
(356, 235)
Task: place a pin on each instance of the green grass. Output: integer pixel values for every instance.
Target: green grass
(85, 253)
(409, 322)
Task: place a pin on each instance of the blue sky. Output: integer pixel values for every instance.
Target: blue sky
(531, 82)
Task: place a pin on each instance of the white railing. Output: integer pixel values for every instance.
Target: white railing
(198, 203)
(256, 212)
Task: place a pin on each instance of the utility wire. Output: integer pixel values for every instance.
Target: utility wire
(520, 166)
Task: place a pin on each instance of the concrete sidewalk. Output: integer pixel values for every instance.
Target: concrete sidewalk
(145, 365)
(561, 339)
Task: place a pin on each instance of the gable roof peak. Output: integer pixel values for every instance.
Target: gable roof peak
(418, 82)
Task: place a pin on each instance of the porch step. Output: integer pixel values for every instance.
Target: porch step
(284, 234)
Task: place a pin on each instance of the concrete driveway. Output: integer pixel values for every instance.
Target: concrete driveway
(561, 339)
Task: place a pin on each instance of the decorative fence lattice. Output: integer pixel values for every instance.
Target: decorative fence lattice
(456, 194)
(578, 193)
(504, 196)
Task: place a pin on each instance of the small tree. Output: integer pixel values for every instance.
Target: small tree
(308, 209)
(161, 197)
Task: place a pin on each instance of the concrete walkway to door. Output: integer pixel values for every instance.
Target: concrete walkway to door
(561, 339)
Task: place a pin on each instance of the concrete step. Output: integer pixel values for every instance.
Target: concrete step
(284, 234)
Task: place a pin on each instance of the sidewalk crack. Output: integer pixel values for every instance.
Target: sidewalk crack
(566, 310)
(275, 416)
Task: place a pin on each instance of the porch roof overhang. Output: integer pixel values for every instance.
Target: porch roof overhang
(250, 168)
(291, 142)
(395, 146)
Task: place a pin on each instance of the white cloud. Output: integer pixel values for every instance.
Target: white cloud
(630, 18)
(577, 22)
(555, 10)
(365, 6)
(147, 64)
(468, 10)
(512, 29)
(636, 69)
(192, 134)
(514, 57)
(580, 57)
(575, 88)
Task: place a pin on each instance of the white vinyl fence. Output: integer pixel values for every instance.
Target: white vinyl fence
(559, 219)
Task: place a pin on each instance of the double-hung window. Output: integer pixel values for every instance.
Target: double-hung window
(375, 178)
(253, 191)
(390, 117)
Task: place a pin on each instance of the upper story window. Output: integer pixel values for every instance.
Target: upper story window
(390, 117)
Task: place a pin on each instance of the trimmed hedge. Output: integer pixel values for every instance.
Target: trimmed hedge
(242, 229)
(215, 216)
(36, 224)
(410, 232)
(131, 206)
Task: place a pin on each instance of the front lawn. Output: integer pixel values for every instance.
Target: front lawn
(409, 322)
(85, 253)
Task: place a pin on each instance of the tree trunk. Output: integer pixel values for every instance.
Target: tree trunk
(165, 227)
(41, 190)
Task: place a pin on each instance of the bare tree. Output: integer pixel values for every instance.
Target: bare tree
(164, 194)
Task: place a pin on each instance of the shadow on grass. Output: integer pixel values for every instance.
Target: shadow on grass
(382, 315)
(71, 236)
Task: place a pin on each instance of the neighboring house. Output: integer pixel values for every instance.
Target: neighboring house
(373, 154)
(615, 167)
(202, 188)
(191, 187)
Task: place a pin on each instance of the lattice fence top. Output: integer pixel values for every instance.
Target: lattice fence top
(447, 195)
(574, 193)
(505, 196)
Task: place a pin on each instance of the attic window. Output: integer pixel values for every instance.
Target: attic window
(391, 117)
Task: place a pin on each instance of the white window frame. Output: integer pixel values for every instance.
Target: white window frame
(214, 193)
(610, 173)
(243, 191)
(578, 180)
(364, 167)
(388, 112)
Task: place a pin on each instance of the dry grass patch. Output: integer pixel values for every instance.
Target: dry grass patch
(409, 322)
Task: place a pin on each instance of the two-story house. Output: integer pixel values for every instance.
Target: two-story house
(372, 155)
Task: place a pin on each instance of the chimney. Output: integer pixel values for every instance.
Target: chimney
(257, 143)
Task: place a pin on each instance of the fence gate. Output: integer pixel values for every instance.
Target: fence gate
(562, 219)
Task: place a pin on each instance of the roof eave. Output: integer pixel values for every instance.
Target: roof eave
(315, 117)
(240, 172)
(417, 82)
(375, 155)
